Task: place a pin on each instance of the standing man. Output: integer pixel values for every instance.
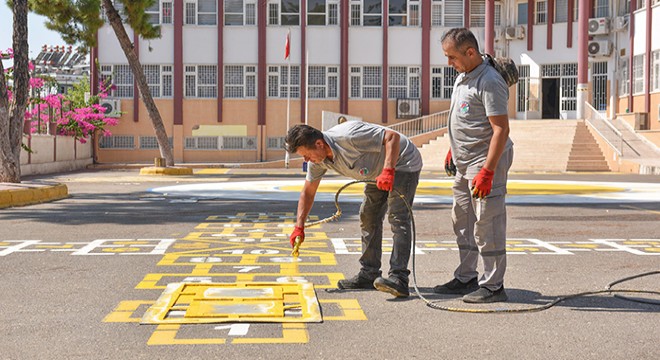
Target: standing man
(479, 157)
(361, 151)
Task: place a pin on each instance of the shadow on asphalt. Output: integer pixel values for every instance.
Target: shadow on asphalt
(521, 298)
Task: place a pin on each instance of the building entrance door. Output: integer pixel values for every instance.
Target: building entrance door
(550, 98)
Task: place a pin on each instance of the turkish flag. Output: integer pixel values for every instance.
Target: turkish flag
(287, 46)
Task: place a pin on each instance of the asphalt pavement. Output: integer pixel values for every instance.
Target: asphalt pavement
(79, 273)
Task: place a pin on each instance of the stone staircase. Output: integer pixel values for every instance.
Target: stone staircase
(585, 154)
(539, 146)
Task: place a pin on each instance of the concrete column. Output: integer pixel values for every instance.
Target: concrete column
(489, 36)
(583, 59)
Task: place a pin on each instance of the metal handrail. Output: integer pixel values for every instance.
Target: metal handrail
(597, 115)
(422, 124)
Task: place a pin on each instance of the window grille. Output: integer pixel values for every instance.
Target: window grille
(453, 13)
(117, 142)
(166, 12)
(275, 143)
(274, 14)
(541, 12)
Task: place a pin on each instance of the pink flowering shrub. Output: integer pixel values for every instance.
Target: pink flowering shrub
(80, 122)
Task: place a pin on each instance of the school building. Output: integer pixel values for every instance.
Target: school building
(226, 92)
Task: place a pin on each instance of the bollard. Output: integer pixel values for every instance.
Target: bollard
(159, 162)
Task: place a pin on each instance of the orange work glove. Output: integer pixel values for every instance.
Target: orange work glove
(385, 180)
(482, 183)
(450, 167)
(297, 231)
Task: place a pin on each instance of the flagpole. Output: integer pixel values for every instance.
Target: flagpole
(288, 97)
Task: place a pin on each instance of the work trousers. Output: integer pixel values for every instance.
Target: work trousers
(480, 227)
(372, 213)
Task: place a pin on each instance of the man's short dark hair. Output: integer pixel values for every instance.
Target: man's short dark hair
(462, 38)
(301, 135)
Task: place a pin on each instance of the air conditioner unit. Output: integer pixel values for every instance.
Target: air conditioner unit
(112, 107)
(330, 119)
(599, 26)
(620, 23)
(408, 108)
(599, 48)
(514, 32)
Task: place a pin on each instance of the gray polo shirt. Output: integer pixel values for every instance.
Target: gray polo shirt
(358, 152)
(477, 95)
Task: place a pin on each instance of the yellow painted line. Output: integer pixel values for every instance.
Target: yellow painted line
(124, 311)
(513, 188)
(166, 171)
(211, 171)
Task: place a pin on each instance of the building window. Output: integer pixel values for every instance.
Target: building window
(152, 74)
(119, 6)
(403, 82)
(121, 77)
(151, 142)
(278, 81)
(239, 12)
(624, 78)
(477, 13)
(561, 11)
(290, 12)
(366, 82)
(436, 13)
(356, 14)
(333, 13)
(240, 81)
(442, 82)
(153, 13)
(167, 80)
(322, 12)
(522, 13)
(166, 12)
(403, 13)
(638, 74)
(273, 14)
(655, 70)
(275, 143)
(201, 81)
(322, 82)
(117, 142)
(602, 8)
(453, 13)
(522, 88)
(316, 12)
(372, 12)
(239, 143)
(599, 85)
(200, 12)
(624, 7)
(201, 143)
(541, 15)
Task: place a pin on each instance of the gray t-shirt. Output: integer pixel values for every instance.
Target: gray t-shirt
(358, 152)
(477, 95)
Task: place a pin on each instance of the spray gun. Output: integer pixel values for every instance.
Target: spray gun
(296, 247)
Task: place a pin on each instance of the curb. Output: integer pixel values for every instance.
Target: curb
(22, 194)
(166, 171)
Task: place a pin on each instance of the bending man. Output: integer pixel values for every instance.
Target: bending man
(361, 151)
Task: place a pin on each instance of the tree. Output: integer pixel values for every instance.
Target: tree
(79, 20)
(12, 111)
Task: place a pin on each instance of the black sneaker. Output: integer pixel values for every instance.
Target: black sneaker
(356, 282)
(456, 287)
(484, 295)
(392, 285)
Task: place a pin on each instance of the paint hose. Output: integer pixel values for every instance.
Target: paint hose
(435, 304)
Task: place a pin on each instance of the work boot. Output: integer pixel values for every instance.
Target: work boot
(456, 287)
(485, 295)
(356, 282)
(392, 285)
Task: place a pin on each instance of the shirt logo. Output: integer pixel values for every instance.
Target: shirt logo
(464, 107)
(364, 171)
